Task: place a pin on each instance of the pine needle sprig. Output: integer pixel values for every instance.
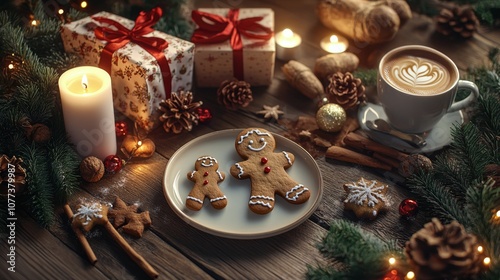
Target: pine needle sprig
(436, 198)
(39, 194)
(358, 254)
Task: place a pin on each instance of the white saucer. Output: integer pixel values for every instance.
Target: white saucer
(436, 139)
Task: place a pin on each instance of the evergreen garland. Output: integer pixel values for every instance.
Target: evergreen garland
(456, 189)
(30, 90)
(486, 10)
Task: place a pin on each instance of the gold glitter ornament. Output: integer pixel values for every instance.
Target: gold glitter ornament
(330, 117)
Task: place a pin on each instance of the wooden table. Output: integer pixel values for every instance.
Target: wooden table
(178, 250)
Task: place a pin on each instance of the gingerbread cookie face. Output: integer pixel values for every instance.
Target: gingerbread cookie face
(206, 178)
(365, 197)
(266, 170)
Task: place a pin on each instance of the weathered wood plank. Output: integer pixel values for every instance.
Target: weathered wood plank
(40, 254)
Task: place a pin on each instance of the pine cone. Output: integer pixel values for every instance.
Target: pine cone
(234, 94)
(345, 90)
(443, 251)
(179, 112)
(17, 179)
(457, 21)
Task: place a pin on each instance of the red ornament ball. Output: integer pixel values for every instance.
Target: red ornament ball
(204, 114)
(121, 128)
(408, 208)
(392, 275)
(112, 164)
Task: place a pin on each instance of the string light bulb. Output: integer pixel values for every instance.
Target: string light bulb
(410, 275)
(392, 260)
(83, 4)
(498, 214)
(139, 143)
(60, 11)
(487, 261)
(34, 22)
(11, 66)
(480, 249)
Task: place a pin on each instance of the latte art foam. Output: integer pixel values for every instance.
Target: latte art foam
(417, 75)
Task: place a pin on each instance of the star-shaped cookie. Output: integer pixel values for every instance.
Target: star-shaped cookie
(133, 223)
(365, 197)
(271, 112)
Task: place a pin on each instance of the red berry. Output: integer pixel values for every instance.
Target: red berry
(112, 164)
(204, 114)
(408, 208)
(121, 128)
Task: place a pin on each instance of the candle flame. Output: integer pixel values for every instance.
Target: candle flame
(288, 33)
(334, 39)
(85, 82)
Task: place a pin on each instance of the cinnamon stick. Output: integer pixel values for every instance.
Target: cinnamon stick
(390, 161)
(81, 237)
(138, 259)
(357, 141)
(347, 155)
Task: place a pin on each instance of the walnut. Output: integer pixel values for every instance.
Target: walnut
(91, 169)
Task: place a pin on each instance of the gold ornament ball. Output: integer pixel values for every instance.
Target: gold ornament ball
(330, 117)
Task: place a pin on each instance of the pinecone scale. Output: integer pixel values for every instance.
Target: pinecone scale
(179, 112)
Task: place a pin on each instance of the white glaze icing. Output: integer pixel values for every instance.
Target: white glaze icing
(211, 161)
(218, 198)
(287, 157)
(256, 131)
(195, 199)
(294, 198)
(240, 169)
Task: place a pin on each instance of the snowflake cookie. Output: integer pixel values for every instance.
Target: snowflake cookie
(365, 197)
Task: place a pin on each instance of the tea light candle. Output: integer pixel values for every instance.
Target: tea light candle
(287, 44)
(87, 103)
(334, 44)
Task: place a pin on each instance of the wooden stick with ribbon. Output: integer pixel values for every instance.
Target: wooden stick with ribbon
(119, 36)
(217, 29)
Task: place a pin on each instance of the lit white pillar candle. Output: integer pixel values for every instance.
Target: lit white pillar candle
(287, 44)
(334, 44)
(87, 103)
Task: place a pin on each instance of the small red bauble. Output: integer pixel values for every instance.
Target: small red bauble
(392, 275)
(121, 128)
(263, 160)
(408, 208)
(267, 169)
(204, 114)
(112, 164)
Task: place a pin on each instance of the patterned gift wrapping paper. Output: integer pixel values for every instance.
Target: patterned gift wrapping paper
(214, 62)
(136, 76)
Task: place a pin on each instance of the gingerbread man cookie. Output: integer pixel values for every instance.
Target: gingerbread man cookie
(206, 177)
(266, 170)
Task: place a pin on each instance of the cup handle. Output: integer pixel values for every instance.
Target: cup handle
(468, 100)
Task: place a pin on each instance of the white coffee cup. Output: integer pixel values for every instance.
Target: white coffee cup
(417, 86)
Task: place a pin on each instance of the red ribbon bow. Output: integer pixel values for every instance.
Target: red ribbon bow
(120, 36)
(217, 29)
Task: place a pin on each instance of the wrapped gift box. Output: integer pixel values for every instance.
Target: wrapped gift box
(214, 62)
(136, 75)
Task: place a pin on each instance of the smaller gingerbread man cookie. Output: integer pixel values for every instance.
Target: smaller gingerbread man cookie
(206, 177)
(365, 197)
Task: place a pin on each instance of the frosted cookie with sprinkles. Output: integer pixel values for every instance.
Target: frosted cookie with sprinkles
(266, 170)
(206, 178)
(365, 197)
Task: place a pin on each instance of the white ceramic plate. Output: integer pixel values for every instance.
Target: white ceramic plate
(436, 138)
(236, 220)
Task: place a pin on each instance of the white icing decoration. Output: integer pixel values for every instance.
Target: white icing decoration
(294, 198)
(250, 147)
(363, 191)
(218, 198)
(192, 174)
(260, 203)
(287, 158)
(256, 131)
(262, 196)
(240, 169)
(211, 161)
(195, 199)
(89, 211)
(220, 175)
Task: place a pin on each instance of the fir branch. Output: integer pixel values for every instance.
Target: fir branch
(437, 198)
(367, 76)
(362, 255)
(39, 192)
(35, 104)
(482, 203)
